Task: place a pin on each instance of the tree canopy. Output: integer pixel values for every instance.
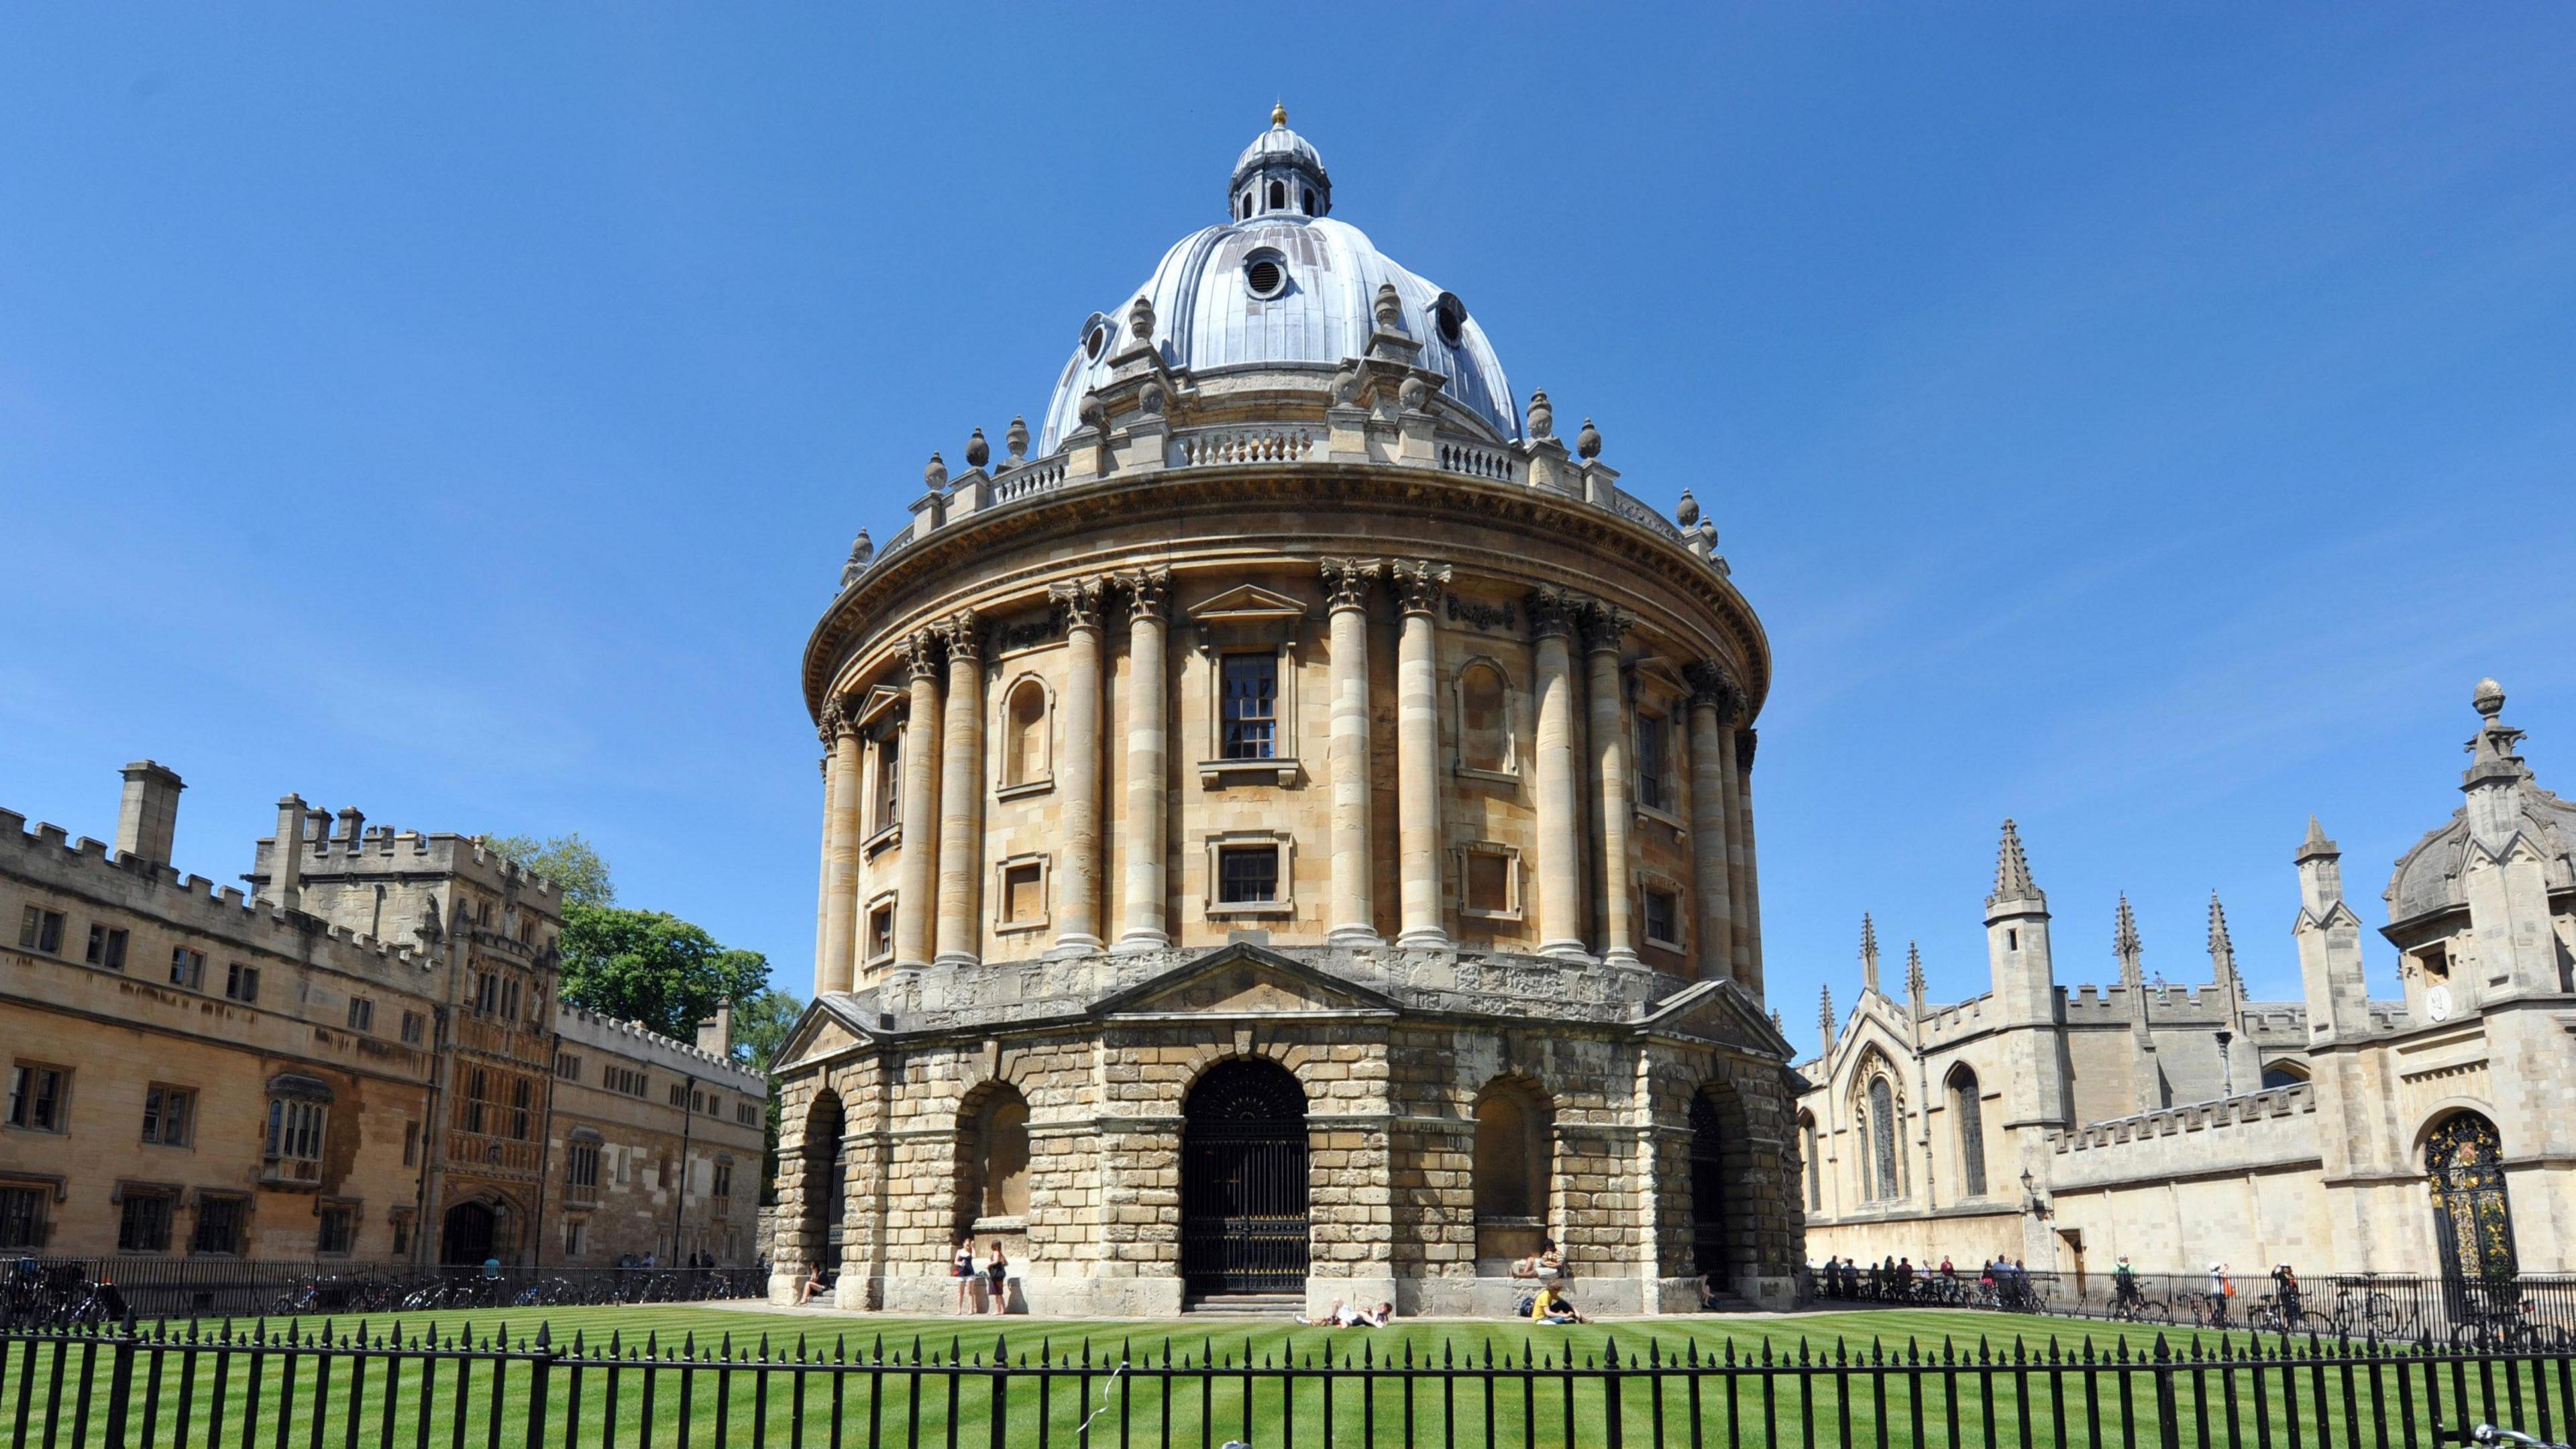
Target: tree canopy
(653, 967)
(760, 1024)
(568, 860)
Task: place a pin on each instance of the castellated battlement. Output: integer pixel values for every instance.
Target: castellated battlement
(1943, 1024)
(382, 849)
(580, 1027)
(85, 868)
(2271, 1128)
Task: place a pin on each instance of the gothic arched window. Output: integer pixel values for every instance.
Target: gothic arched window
(1882, 1139)
(1808, 1153)
(1971, 1124)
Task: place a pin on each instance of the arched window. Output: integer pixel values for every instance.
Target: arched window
(2472, 1220)
(1515, 1154)
(1027, 742)
(1484, 717)
(993, 1167)
(1882, 1140)
(1278, 196)
(2283, 1074)
(1308, 205)
(1813, 1159)
(1970, 1121)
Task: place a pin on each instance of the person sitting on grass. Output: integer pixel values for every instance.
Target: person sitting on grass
(1558, 1308)
(1378, 1317)
(813, 1285)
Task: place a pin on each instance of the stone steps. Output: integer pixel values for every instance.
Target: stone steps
(1284, 1305)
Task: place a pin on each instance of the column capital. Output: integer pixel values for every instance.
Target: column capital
(1604, 625)
(1347, 581)
(963, 633)
(1079, 600)
(1714, 686)
(1149, 593)
(921, 654)
(1420, 584)
(1744, 742)
(835, 723)
(1553, 611)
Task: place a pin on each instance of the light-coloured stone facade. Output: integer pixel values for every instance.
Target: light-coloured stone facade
(1297, 709)
(2070, 1127)
(363, 1059)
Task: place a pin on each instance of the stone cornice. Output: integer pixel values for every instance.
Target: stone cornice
(903, 588)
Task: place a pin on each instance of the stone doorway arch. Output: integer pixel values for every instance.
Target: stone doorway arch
(1243, 1181)
(470, 1233)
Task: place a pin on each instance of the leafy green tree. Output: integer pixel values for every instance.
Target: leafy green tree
(760, 1026)
(568, 860)
(653, 967)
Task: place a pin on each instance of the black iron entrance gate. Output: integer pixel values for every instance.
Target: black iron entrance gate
(1708, 1190)
(1243, 1181)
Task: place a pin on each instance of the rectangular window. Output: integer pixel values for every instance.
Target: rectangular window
(411, 1143)
(581, 1169)
(37, 1097)
(220, 1220)
(510, 998)
(889, 781)
(22, 1217)
(745, 1114)
(625, 1080)
(522, 1099)
(1251, 706)
(568, 1066)
(1653, 790)
(1663, 923)
(187, 968)
(41, 930)
(362, 1014)
(402, 1234)
(241, 982)
(1247, 874)
(573, 1234)
(881, 932)
(295, 1130)
(679, 1094)
(143, 1222)
(338, 1231)
(478, 1089)
(724, 1178)
(1023, 893)
(169, 1115)
(415, 1028)
(1488, 887)
(107, 948)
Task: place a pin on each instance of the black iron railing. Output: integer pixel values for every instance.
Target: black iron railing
(373, 1385)
(53, 1291)
(2533, 1310)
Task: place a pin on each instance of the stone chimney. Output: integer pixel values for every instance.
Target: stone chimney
(715, 1034)
(148, 819)
(286, 860)
(353, 826)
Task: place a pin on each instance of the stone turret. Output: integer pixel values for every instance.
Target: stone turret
(2504, 871)
(2017, 953)
(2329, 937)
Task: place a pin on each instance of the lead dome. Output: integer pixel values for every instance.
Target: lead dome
(1282, 286)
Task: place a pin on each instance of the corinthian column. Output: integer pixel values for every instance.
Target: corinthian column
(918, 892)
(1560, 835)
(1148, 709)
(832, 972)
(1347, 582)
(1419, 583)
(1748, 908)
(961, 796)
(1708, 723)
(1738, 895)
(1078, 777)
(1602, 628)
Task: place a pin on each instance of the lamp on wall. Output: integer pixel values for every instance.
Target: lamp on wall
(2030, 1199)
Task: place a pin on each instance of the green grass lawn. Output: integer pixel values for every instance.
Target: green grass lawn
(684, 1374)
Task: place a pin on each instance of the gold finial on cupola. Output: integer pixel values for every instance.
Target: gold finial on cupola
(1279, 114)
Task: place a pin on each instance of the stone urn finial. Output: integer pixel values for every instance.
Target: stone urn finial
(2489, 698)
(1414, 395)
(863, 551)
(1390, 308)
(1686, 513)
(1542, 416)
(934, 475)
(1588, 442)
(1095, 415)
(978, 452)
(1017, 439)
(1152, 398)
(1140, 321)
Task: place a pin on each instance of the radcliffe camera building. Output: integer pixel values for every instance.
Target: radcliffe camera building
(362, 1061)
(2429, 1132)
(1288, 831)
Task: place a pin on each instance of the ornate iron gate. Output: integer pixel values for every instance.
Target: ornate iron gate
(1243, 1181)
(2472, 1220)
(1708, 1190)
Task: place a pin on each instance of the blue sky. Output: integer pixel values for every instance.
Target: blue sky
(2145, 421)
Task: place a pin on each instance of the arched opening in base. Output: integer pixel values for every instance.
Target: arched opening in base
(1243, 1181)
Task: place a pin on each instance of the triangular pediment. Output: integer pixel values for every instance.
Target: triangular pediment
(1718, 1011)
(1242, 980)
(1247, 603)
(832, 1023)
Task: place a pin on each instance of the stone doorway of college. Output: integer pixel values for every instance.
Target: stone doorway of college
(1243, 1188)
(469, 1234)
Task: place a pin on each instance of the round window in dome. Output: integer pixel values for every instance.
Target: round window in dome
(1265, 275)
(1095, 341)
(1450, 316)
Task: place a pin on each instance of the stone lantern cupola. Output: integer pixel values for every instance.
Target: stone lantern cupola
(1280, 172)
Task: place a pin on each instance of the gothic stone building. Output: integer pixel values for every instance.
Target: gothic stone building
(363, 1059)
(2432, 1132)
(1290, 836)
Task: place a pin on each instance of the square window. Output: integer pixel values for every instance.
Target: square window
(143, 1221)
(221, 1218)
(41, 930)
(169, 1115)
(187, 968)
(1023, 893)
(22, 1217)
(881, 931)
(338, 1230)
(1663, 922)
(362, 1014)
(1488, 883)
(38, 1097)
(107, 948)
(1247, 874)
(1251, 706)
(241, 982)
